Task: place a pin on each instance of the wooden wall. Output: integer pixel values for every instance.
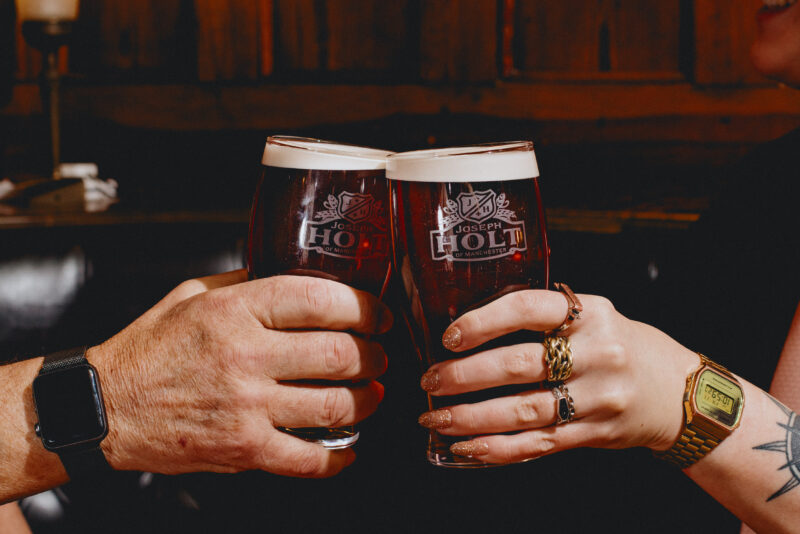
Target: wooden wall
(584, 72)
(535, 59)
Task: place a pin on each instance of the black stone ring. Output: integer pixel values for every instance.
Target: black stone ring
(565, 407)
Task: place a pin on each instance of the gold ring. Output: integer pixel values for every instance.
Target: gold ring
(574, 307)
(558, 357)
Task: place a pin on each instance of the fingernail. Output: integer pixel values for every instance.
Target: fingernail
(430, 380)
(451, 338)
(469, 448)
(436, 419)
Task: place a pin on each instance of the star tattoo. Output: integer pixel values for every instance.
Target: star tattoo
(789, 447)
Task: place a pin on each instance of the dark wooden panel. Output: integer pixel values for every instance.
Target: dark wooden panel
(459, 40)
(297, 35)
(367, 36)
(131, 38)
(724, 30)
(629, 111)
(644, 35)
(593, 37)
(266, 11)
(230, 44)
(558, 36)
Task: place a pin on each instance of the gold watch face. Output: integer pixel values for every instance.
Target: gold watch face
(718, 398)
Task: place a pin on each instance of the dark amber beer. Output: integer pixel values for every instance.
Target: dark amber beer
(467, 227)
(320, 209)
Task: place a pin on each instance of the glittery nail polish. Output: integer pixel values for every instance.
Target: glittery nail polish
(469, 448)
(436, 419)
(430, 380)
(451, 338)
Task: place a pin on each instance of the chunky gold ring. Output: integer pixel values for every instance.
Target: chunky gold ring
(558, 357)
(574, 307)
(565, 406)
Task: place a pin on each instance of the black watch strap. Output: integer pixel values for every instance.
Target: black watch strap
(64, 359)
(80, 463)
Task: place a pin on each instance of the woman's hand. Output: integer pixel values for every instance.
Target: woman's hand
(202, 380)
(627, 381)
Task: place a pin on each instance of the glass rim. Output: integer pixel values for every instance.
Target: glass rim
(497, 147)
(486, 162)
(324, 146)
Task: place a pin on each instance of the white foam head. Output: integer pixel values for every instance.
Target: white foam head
(306, 153)
(491, 162)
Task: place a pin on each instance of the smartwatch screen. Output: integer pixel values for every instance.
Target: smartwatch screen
(69, 407)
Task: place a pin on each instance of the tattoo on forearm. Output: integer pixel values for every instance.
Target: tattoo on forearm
(789, 446)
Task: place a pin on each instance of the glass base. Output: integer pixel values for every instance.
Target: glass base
(330, 438)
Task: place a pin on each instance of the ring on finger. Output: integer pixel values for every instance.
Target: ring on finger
(565, 406)
(558, 357)
(574, 307)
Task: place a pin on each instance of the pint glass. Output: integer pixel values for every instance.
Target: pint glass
(320, 209)
(467, 227)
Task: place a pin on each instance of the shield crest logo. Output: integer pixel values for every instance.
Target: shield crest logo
(478, 206)
(354, 207)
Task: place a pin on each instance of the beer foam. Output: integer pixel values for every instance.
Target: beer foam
(306, 153)
(491, 162)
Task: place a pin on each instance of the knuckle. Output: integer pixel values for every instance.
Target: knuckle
(317, 294)
(457, 377)
(464, 418)
(602, 306)
(335, 408)
(536, 446)
(529, 302)
(616, 356)
(308, 463)
(526, 411)
(607, 434)
(472, 322)
(188, 288)
(519, 364)
(543, 444)
(616, 401)
(339, 354)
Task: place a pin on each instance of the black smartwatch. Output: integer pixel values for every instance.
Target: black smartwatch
(72, 416)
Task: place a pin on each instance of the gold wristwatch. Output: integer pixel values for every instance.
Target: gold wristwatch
(712, 406)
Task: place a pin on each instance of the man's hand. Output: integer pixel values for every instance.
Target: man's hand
(202, 380)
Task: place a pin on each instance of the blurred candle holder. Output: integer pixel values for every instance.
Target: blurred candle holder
(47, 26)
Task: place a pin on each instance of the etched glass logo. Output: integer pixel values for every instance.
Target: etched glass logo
(478, 226)
(352, 226)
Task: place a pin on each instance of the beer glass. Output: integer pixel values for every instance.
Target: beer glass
(320, 209)
(467, 227)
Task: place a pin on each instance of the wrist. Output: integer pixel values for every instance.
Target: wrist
(113, 444)
(713, 403)
(27, 466)
(672, 407)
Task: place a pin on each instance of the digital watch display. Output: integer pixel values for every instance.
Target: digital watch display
(713, 402)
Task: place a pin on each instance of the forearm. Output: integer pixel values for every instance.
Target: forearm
(26, 467)
(12, 521)
(748, 471)
(787, 374)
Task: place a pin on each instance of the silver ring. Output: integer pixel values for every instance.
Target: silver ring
(565, 406)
